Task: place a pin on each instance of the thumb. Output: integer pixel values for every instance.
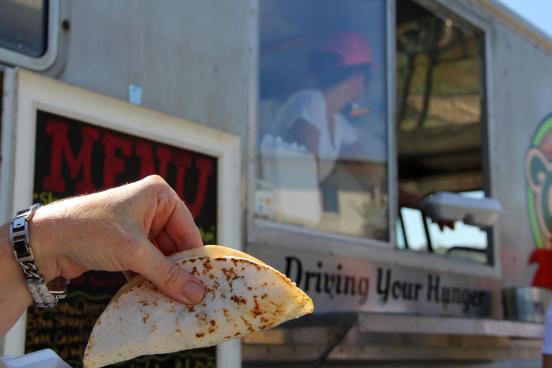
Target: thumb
(168, 276)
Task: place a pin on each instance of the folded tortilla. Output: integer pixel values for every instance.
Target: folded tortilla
(243, 295)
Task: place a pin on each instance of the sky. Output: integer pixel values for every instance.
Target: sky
(537, 12)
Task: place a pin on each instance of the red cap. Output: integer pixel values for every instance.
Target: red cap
(352, 47)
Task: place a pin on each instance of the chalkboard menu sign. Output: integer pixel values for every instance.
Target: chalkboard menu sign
(73, 157)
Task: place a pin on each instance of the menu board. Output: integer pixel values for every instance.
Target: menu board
(74, 157)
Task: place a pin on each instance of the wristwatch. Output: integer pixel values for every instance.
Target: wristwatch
(43, 296)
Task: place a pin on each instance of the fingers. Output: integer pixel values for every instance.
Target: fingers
(165, 244)
(167, 275)
(172, 224)
(171, 228)
(182, 229)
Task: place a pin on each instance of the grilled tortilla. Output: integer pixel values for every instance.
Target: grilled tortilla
(243, 295)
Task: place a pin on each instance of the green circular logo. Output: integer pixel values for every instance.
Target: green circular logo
(538, 175)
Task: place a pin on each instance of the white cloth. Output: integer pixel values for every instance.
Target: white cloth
(310, 106)
(547, 338)
(291, 170)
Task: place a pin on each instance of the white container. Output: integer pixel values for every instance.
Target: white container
(46, 358)
(481, 212)
(293, 176)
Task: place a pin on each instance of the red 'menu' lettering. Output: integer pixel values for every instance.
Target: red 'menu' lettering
(82, 162)
(164, 156)
(147, 166)
(114, 164)
(205, 168)
(143, 150)
(182, 161)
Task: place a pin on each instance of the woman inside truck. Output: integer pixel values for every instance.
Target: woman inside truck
(315, 117)
(318, 118)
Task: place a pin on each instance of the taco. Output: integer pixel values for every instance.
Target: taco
(243, 295)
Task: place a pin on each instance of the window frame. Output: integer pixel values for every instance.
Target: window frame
(267, 231)
(483, 23)
(271, 233)
(52, 44)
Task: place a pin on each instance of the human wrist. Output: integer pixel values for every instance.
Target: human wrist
(44, 231)
(39, 269)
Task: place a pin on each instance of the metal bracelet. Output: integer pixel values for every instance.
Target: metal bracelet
(19, 237)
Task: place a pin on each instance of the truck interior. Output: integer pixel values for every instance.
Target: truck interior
(440, 124)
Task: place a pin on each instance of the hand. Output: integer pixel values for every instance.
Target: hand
(443, 224)
(132, 227)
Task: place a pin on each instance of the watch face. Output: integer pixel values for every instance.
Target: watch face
(58, 285)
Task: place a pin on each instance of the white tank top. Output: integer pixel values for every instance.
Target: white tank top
(310, 106)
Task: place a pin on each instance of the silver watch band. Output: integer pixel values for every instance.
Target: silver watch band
(19, 237)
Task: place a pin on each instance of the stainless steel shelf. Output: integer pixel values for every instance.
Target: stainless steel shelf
(406, 323)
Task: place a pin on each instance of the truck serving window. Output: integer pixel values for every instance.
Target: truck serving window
(440, 94)
(321, 127)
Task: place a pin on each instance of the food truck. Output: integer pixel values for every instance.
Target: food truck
(417, 248)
